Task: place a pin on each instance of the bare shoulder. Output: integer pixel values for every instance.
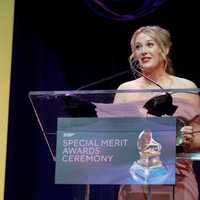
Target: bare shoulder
(183, 83)
(179, 82)
(122, 97)
(129, 85)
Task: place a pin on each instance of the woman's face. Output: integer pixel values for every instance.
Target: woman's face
(147, 52)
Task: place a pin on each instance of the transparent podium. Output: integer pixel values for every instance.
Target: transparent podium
(132, 138)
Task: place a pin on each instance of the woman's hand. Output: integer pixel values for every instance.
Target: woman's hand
(187, 137)
(191, 138)
(187, 134)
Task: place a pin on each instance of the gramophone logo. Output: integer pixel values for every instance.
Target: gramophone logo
(149, 167)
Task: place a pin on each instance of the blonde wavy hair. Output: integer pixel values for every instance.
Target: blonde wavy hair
(162, 37)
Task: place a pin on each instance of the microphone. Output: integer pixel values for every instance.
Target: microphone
(158, 105)
(135, 68)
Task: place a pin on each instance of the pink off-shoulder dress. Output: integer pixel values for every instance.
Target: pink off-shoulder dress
(186, 187)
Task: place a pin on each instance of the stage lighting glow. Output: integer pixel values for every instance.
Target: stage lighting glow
(124, 10)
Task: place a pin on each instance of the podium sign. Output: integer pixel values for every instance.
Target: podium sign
(116, 150)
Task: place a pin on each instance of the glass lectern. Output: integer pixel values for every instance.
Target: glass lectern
(119, 137)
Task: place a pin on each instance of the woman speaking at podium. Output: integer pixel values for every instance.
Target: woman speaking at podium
(150, 61)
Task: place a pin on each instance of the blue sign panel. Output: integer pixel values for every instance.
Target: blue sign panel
(116, 150)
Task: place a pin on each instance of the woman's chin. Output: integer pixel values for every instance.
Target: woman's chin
(147, 68)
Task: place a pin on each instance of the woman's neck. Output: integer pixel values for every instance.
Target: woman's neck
(157, 75)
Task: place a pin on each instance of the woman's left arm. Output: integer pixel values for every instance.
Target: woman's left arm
(191, 135)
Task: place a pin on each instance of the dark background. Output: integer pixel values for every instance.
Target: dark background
(63, 45)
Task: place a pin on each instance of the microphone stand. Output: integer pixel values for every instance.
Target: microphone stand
(158, 105)
(103, 80)
(134, 65)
